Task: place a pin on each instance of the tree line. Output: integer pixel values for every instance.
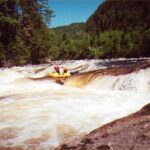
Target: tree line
(121, 28)
(116, 29)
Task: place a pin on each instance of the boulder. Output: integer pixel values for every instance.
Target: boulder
(82, 79)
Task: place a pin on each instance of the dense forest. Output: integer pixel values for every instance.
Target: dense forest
(121, 28)
(116, 29)
(69, 42)
(24, 37)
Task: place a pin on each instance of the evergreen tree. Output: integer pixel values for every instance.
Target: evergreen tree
(23, 30)
(8, 27)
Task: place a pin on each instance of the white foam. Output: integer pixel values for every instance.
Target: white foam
(37, 107)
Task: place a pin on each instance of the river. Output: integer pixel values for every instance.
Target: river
(41, 114)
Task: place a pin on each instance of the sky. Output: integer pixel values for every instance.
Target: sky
(72, 11)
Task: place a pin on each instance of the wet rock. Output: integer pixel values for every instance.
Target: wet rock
(129, 133)
(9, 133)
(82, 79)
(37, 140)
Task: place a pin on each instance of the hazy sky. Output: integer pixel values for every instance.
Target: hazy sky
(71, 11)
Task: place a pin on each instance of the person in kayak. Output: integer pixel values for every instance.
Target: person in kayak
(54, 69)
(60, 70)
(64, 70)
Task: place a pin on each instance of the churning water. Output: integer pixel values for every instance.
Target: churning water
(40, 114)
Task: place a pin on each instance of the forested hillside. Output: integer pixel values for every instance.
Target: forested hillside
(118, 28)
(69, 42)
(24, 37)
(125, 15)
(72, 30)
(121, 28)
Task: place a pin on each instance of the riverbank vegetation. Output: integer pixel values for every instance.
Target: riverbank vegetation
(115, 29)
(24, 36)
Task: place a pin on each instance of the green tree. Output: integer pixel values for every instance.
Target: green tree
(8, 27)
(24, 36)
(35, 31)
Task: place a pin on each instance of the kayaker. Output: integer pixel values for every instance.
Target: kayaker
(54, 69)
(63, 70)
(60, 70)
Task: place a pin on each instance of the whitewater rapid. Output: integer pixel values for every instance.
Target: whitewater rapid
(41, 114)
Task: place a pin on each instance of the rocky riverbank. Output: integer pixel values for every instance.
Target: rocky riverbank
(129, 133)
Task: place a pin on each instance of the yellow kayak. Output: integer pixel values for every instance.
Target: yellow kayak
(57, 75)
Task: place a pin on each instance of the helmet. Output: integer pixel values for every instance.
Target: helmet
(56, 68)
